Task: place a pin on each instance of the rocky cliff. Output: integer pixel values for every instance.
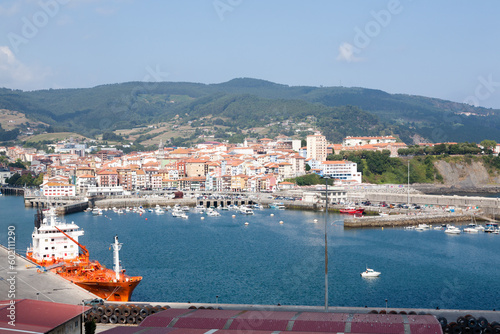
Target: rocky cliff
(460, 177)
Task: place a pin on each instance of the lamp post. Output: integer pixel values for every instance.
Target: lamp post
(326, 177)
(408, 187)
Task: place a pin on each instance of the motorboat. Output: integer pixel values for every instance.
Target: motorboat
(245, 210)
(471, 228)
(450, 229)
(441, 227)
(258, 206)
(279, 206)
(370, 273)
(491, 228)
(199, 209)
(177, 213)
(185, 208)
(97, 211)
(352, 211)
(422, 227)
(212, 213)
(409, 227)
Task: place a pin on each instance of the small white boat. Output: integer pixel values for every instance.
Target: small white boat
(450, 229)
(246, 210)
(258, 206)
(409, 227)
(97, 211)
(177, 213)
(185, 208)
(422, 227)
(370, 273)
(158, 209)
(212, 213)
(471, 228)
(199, 209)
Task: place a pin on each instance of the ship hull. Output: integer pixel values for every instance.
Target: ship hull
(110, 291)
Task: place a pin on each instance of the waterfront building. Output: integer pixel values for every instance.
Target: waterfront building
(5, 173)
(336, 195)
(85, 181)
(196, 167)
(341, 170)
(58, 189)
(37, 316)
(285, 185)
(156, 181)
(107, 178)
(106, 191)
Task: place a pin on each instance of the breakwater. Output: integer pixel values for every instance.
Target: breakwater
(405, 220)
(422, 199)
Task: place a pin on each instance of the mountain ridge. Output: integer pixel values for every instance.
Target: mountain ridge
(247, 103)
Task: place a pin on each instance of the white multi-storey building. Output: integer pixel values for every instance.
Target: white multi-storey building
(359, 141)
(341, 170)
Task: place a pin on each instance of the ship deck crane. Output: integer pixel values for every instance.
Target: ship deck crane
(84, 249)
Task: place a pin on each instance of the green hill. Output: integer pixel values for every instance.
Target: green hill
(244, 104)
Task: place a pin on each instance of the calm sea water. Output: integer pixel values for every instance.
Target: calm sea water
(269, 263)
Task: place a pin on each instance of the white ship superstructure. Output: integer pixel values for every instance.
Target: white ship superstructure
(50, 244)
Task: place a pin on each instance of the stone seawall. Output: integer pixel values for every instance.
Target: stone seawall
(144, 202)
(405, 220)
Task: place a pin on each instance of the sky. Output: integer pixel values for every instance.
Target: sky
(447, 49)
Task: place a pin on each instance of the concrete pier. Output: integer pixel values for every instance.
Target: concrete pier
(31, 284)
(405, 220)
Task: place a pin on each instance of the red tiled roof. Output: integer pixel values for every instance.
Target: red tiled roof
(37, 315)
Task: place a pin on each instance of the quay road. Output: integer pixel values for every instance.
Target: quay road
(31, 284)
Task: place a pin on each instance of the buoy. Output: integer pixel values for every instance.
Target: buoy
(272, 214)
(246, 223)
(233, 216)
(382, 228)
(202, 218)
(315, 220)
(281, 222)
(146, 219)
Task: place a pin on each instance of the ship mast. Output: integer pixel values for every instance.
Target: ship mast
(116, 256)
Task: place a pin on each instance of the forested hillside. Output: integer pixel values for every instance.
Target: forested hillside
(245, 104)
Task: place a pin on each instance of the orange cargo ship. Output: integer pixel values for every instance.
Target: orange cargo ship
(56, 247)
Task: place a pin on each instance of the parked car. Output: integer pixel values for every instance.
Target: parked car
(95, 301)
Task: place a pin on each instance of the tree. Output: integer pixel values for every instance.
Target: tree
(308, 168)
(489, 145)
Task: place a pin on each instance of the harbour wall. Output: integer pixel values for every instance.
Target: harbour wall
(489, 205)
(406, 220)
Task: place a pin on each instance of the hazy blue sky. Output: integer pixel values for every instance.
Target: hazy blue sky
(446, 49)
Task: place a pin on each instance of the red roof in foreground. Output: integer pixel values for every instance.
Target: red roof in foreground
(207, 321)
(37, 315)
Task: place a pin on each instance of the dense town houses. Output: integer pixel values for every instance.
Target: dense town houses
(256, 165)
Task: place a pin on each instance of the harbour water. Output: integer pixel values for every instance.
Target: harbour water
(266, 262)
